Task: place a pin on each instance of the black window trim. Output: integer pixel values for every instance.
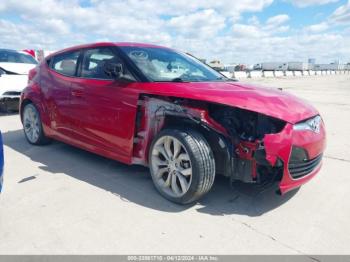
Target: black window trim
(130, 66)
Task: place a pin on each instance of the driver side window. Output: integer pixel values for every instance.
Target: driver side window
(95, 61)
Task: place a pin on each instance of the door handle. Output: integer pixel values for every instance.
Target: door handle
(77, 93)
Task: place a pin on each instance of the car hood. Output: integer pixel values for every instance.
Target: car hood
(18, 68)
(267, 101)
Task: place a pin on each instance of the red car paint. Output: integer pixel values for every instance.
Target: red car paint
(266, 101)
(100, 115)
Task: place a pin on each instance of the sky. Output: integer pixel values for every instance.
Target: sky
(246, 31)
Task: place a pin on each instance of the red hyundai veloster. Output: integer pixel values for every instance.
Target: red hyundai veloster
(154, 106)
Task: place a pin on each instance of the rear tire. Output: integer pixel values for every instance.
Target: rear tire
(32, 126)
(182, 165)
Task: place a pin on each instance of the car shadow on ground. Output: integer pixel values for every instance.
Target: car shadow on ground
(134, 184)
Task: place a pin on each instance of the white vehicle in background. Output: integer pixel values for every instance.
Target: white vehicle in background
(274, 66)
(299, 66)
(14, 69)
(257, 67)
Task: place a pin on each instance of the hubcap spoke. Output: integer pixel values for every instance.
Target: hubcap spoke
(157, 161)
(177, 148)
(174, 185)
(167, 147)
(161, 172)
(183, 182)
(168, 180)
(186, 172)
(161, 150)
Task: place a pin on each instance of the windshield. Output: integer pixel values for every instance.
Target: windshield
(165, 65)
(16, 57)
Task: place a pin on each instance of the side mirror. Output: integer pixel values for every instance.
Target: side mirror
(114, 69)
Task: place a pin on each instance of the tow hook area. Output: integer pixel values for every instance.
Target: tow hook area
(251, 166)
(263, 162)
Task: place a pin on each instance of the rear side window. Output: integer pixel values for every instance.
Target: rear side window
(94, 63)
(66, 63)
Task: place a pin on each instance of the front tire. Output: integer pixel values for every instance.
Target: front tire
(32, 126)
(182, 165)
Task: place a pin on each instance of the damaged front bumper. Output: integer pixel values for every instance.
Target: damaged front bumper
(300, 151)
(291, 158)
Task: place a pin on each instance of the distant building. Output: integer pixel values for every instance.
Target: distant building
(312, 61)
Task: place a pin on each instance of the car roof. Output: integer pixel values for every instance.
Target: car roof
(103, 44)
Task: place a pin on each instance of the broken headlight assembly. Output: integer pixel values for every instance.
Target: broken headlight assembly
(312, 124)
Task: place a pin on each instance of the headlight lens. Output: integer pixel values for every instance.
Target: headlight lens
(312, 124)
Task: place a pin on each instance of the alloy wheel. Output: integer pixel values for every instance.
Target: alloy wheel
(31, 124)
(171, 166)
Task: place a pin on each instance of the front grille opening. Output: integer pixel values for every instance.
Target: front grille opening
(300, 165)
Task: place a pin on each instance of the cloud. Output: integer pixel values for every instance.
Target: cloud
(273, 25)
(129, 17)
(208, 29)
(325, 47)
(306, 3)
(203, 23)
(317, 28)
(252, 31)
(342, 14)
(278, 19)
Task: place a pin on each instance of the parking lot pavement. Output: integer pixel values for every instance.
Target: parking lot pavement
(61, 200)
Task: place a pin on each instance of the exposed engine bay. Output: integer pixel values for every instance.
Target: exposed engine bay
(245, 125)
(247, 130)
